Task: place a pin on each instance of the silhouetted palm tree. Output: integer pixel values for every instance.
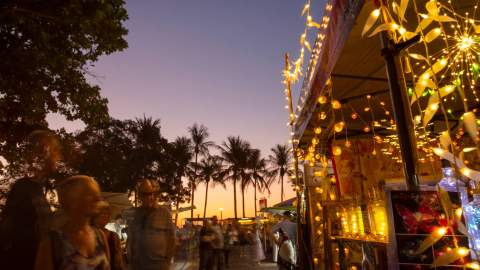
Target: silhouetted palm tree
(181, 154)
(234, 153)
(209, 170)
(279, 162)
(146, 131)
(257, 174)
(199, 136)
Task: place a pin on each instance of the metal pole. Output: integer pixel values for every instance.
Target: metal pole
(302, 258)
(401, 109)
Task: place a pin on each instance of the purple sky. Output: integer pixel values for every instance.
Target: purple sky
(217, 63)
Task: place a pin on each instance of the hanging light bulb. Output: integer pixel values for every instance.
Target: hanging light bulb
(318, 130)
(336, 104)
(338, 127)
(322, 99)
(323, 115)
(336, 150)
(366, 129)
(354, 116)
(348, 143)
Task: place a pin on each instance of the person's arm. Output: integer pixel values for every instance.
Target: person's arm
(130, 243)
(118, 256)
(44, 259)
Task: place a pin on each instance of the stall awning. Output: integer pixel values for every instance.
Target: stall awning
(353, 62)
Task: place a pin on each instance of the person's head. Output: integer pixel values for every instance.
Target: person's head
(287, 215)
(214, 220)
(79, 196)
(102, 218)
(118, 219)
(43, 152)
(148, 193)
(229, 227)
(283, 235)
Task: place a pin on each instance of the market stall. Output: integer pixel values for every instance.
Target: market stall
(386, 134)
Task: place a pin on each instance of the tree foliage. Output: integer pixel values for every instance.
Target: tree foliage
(46, 49)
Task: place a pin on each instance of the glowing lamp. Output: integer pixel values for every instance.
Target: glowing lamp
(322, 99)
(336, 104)
(336, 150)
(338, 127)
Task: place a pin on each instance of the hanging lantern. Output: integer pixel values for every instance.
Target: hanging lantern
(338, 127)
(336, 104)
(336, 150)
(348, 143)
(322, 99)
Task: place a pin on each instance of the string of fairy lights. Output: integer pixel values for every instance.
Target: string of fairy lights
(444, 68)
(442, 71)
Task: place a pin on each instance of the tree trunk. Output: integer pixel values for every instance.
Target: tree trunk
(235, 197)
(206, 198)
(192, 183)
(243, 201)
(255, 196)
(281, 192)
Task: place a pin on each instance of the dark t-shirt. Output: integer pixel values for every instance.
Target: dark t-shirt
(205, 245)
(24, 218)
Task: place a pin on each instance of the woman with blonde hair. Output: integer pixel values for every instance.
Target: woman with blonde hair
(76, 245)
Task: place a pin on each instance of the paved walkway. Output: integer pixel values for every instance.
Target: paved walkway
(236, 263)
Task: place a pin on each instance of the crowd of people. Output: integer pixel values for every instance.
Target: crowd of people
(74, 237)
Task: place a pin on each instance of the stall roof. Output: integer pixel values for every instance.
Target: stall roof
(354, 65)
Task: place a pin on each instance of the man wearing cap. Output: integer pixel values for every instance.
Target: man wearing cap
(151, 233)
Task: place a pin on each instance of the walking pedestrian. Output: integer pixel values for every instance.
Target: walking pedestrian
(228, 243)
(217, 245)
(26, 217)
(76, 245)
(244, 239)
(151, 233)
(258, 254)
(205, 246)
(113, 240)
(286, 254)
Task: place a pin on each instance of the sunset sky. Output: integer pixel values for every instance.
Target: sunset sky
(217, 63)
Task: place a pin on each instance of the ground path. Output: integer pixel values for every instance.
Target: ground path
(236, 263)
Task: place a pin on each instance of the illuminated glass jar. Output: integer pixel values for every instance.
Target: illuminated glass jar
(379, 219)
(356, 221)
(346, 231)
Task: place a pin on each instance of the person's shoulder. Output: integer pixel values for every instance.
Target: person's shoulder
(24, 183)
(163, 210)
